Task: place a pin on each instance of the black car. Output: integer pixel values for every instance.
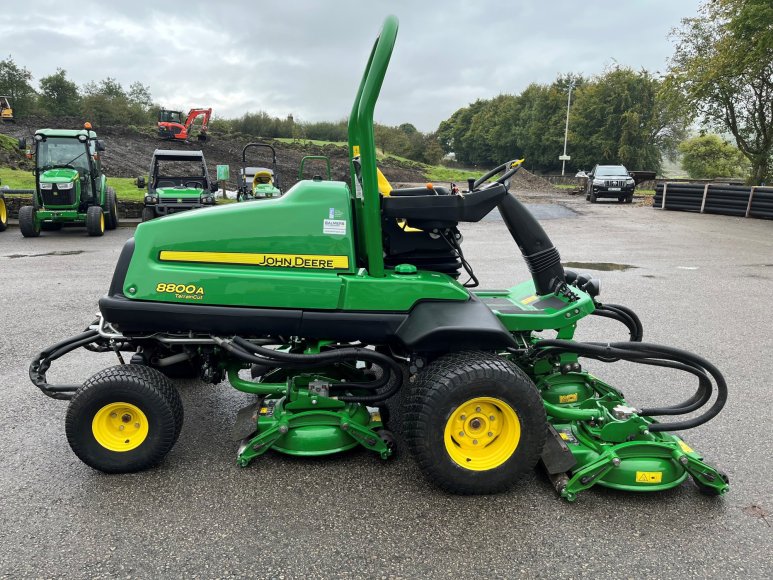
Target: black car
(610, 181)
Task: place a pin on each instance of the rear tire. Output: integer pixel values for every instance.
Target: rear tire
(111, 209)
(95, 221)
(459, 393)
(148, 213)
(125, 418)
(29, 226)
(629, 198)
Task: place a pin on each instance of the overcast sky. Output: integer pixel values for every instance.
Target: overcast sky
(305, 57)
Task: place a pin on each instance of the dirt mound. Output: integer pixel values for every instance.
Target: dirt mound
(527, 181)
(129, 150)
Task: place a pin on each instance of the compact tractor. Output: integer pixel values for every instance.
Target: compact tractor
(70, 187)
(258, 182)
(172, 127)
(177, 181)
(328, 301)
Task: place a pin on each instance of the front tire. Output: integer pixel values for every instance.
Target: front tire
(475, 423)
(123, 419)
(28, 224)
(95, 221)
(148, 213)
(593, 198)
(111, 209)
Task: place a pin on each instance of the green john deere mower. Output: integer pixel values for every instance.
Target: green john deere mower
(329, 300)
(70, 187)
(257, 182)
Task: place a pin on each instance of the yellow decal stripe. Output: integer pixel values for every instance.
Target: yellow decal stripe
(269, 260)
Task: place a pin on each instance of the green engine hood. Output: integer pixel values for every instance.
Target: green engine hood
(59, 175)
(179, 193)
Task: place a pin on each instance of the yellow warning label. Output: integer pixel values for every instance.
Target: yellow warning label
(269, 260)
(564, 436)
(356, 151)
(529, 300)
(570, 398)
(649, 476)
(686, 448)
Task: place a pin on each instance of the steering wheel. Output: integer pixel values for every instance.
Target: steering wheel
(508, 169)
(67, 165)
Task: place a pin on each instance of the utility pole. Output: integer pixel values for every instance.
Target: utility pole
(564, 158)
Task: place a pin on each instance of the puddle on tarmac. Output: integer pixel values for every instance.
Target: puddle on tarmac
(603, 266)
(54, 253)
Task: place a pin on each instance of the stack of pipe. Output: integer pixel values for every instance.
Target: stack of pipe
(717, 198)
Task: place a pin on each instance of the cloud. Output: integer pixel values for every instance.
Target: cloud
(304, 57)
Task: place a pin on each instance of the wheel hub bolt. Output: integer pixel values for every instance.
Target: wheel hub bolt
(114, 415)
(120, 427)
(463, 417)
(474, 441)
(490, 434)
(477, 409)
(137, 425)
(491, 417)
(461, 433)
(475, 423)
(126, 417)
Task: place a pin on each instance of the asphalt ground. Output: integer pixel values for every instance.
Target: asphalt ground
(699, 282)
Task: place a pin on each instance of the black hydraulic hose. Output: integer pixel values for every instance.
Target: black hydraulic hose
(657, 355)
(623, 315)
(696, 401)
(632, 315)
(390, 369)
(42, 363)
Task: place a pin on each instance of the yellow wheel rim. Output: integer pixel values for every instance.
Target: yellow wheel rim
(3, 212)
(102, 222)
(120, 427)
(482, 433)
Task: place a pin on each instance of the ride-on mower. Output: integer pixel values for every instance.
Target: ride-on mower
(178, 181)
(70, 188)
(330, 295)
(258, 182)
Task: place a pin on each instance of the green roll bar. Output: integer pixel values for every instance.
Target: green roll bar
(362, 145)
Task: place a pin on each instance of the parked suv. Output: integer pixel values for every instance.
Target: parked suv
(609, 181)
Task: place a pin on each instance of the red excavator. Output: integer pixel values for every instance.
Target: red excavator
(172, 127)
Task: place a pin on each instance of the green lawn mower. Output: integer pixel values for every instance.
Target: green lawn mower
(328, 301)
(258, 182)
(178, 181)
(70, 188)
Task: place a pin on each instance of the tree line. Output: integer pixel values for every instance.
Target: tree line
(108, 103)
(616, 117)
